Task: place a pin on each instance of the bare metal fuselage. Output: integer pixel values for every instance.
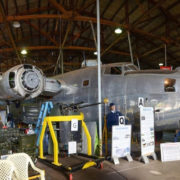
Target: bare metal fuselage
(124, 90)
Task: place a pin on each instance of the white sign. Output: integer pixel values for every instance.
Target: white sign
(121, 120)
(140, 102)
(147, 130)
(74, 125)
(72, 147)
(170, 152)
(121, 141)
(3, 117)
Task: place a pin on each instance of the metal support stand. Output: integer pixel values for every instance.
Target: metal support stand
(154, 156)
(145, 158)
(116, 159)
(129, 158)
(93, 161)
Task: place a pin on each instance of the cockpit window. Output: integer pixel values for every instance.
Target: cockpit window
(130, 68)
(113, 70)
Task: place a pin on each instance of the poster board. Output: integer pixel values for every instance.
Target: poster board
(72, 147)
(3, 117)
(121, 141)
(170, 151)
(147, 131)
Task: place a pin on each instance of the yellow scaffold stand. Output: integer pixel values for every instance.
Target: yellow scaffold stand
(48, 121)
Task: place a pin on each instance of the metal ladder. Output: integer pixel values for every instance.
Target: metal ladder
(45, 109)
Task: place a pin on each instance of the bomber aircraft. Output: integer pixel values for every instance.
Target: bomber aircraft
(122, 83)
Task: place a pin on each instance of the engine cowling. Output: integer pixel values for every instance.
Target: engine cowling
(21, 82)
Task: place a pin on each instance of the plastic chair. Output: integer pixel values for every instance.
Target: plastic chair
(6, 170)
(21, 162)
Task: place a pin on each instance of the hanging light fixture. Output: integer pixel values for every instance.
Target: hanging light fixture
(118, 30)
(16, 24)
(23, 51)
(95, 53)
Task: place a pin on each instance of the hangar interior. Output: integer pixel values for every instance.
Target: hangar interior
(89, 89)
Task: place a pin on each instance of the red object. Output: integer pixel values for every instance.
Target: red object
(5, 127)
(166, 68)
(101, 166)
(70, 177)
(26, 131)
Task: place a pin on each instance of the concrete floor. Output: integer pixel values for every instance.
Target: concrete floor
(155, 170)
(135, 170)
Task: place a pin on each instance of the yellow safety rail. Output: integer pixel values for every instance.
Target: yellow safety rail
(48, 121)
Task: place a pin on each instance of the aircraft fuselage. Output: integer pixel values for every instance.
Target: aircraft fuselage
(123, 84)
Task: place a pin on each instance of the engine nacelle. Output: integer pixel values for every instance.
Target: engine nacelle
(21, 82)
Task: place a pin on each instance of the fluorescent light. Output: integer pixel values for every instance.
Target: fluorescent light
(160, 64)
(95, 53)
(23, 51)
(118, 30)
(16, 24)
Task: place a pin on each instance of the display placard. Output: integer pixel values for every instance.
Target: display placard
(140, 102)
(170, 151)
(74, 125)
(72, 147)
(121, 141)
(121, 120)
(147, 131)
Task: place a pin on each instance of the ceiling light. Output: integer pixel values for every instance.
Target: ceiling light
(16, 24)
(95, 53)
(160, 64)
(24, 51)
(118, 30)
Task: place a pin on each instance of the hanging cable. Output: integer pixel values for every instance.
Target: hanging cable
(138, 63)
(94, 36)
(130, 47)
(165, 54)
(59, 55)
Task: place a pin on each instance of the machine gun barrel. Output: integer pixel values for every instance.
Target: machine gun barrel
(76, 104)
(88, 105)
